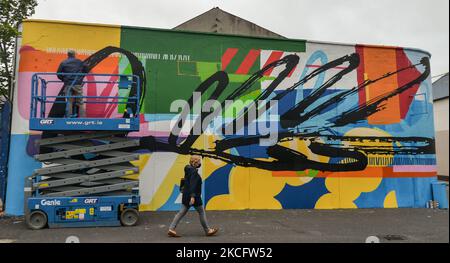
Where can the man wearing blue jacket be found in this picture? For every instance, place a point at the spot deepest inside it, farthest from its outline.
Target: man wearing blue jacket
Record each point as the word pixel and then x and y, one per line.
pixel 73 84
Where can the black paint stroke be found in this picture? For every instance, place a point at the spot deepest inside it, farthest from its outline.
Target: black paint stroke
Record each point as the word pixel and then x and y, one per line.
pixel 285 159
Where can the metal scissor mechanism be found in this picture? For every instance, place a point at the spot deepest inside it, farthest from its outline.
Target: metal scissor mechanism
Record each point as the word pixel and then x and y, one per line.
pixel 85 164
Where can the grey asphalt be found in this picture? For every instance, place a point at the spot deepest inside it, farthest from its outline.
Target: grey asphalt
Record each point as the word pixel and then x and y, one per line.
pixel 256 226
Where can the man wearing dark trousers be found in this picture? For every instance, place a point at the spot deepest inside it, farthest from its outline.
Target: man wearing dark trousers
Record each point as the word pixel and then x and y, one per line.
pixel 73 85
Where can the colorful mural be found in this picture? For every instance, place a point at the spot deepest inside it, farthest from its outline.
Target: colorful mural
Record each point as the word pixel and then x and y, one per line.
pixel 354 122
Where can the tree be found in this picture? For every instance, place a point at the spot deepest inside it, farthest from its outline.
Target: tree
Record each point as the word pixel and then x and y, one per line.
pixel 12 12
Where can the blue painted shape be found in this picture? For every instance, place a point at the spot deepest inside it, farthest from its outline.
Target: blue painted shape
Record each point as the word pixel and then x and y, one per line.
pixel 317 55
pixel 170 204
pixel 410 193
pixel 423 191
pixel 20 165
pixel 217 183
pixel 440 194
pixel 304 196
pixel 286 103
pixel 252 151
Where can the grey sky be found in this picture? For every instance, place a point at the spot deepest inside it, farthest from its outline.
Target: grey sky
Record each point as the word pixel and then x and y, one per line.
pixel 420 24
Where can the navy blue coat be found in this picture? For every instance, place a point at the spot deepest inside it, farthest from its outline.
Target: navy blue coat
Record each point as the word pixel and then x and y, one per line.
pixel 192 186
pixel 72 65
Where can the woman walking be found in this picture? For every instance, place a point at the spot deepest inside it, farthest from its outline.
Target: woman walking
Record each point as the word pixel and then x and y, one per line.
pixel 192 197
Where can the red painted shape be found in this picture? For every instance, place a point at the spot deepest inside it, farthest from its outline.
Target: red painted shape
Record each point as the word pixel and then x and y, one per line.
pixel 99 109
pixel 248 62
pixel 274 56
pixel 27 48
pixel 110 109
pixel 403 78
pixel 292 71
pixel 228 56
pixel 360 75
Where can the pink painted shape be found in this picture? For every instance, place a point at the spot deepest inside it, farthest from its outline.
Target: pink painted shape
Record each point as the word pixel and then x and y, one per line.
pixel 24 93
pixel 414 168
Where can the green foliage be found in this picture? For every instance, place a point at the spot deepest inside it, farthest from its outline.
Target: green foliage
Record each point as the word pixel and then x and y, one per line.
pixel 12 12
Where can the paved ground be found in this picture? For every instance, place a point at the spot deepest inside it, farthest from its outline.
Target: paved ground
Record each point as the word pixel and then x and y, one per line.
pixel 413 225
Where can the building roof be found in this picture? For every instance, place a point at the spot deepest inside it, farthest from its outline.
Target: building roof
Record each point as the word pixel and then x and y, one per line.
pixel 440 88
pixel 218 21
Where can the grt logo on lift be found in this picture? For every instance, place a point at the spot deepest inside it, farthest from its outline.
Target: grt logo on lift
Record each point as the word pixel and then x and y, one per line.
pixel 46 122
pixel 90 201
pixel 45 202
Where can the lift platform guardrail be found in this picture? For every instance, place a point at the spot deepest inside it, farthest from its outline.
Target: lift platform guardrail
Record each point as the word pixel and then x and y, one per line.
pixel 42 83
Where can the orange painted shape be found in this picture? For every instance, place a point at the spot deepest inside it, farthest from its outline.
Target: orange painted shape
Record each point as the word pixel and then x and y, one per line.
pixel 32 60
pixel 369 172
pixel 378 62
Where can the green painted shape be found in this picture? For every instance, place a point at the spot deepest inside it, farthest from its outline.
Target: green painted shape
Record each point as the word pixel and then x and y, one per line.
pixel 309 173
pixel 167 56
pixel 245 99
pixel 188 68
pixel 206 69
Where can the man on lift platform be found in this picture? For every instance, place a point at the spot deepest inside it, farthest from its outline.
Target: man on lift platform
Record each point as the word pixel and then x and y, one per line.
pixel 73 85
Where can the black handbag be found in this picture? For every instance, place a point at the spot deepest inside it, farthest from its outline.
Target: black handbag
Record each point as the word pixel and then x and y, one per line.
pixel 182 184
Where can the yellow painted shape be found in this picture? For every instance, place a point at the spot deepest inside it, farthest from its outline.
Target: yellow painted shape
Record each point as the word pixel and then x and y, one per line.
pixel 351 189
pixel 249 187
pixel 330 200
pixel 42 35
pixel 252 188
pixel 263 188
pixel 390 201
pixel 238 198
pixel 173 177
pixel 145 207
pixel 372 132
pixel 209 165
pixel 143 160
pixel 345 190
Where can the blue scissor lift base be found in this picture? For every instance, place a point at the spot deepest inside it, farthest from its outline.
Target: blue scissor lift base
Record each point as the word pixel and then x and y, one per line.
pixel 87 211
pixel 67 194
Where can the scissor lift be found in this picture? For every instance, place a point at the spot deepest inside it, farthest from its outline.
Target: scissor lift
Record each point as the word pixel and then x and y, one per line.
pixel 87 177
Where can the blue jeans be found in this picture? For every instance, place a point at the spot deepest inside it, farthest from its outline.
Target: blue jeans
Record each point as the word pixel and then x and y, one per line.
pixel 183 211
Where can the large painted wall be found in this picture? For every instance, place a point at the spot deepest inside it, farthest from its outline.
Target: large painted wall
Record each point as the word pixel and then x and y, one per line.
pixel 355 122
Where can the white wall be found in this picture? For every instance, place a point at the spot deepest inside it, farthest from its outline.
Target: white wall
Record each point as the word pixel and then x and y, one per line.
pixel 441 127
